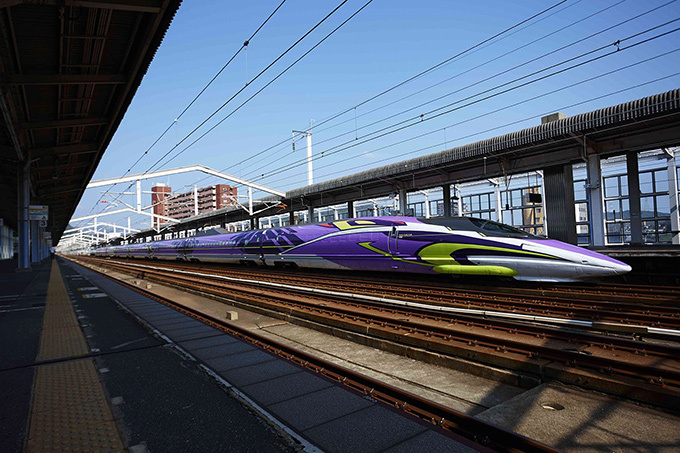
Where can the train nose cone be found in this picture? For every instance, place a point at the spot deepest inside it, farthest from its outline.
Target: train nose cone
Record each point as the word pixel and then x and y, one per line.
pixel 621 268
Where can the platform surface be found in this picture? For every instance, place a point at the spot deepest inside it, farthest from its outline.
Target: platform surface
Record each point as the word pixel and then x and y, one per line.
pixel 93 366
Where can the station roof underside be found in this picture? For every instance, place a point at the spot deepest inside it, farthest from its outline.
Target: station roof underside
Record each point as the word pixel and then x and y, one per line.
pixel 648 123
pixel 69 70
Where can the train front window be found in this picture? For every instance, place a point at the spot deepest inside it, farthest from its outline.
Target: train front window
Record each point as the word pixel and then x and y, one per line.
pixel 499 229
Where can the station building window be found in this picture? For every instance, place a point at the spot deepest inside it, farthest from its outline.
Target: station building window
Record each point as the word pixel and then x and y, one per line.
pixel 423 202
pixel 617 209
pixel 436 208
pixel 655 207
pixel 581 210
pixel 384 206
pixel 481 205
pixel 520 212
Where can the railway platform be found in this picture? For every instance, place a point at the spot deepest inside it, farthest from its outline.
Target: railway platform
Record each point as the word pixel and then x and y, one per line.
pixel 90 365
pixel 652 264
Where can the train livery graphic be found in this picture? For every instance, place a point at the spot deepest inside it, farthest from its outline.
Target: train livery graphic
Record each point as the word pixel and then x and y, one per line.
pixel 442 245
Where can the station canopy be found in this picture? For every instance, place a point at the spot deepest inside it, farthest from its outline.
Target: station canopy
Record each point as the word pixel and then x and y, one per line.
pixel 68 72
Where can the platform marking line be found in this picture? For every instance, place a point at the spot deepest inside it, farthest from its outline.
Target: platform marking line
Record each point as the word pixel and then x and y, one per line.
pixel 69 410
pixel 20 309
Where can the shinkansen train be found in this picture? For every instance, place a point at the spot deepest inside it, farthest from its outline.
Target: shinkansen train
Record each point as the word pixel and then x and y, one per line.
pixel 452 245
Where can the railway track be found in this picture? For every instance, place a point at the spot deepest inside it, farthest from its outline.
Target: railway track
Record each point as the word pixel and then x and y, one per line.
pixel 613 303
pixel 625 366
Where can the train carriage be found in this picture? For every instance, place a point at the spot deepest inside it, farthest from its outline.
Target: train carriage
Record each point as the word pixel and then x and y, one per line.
pixel 453 245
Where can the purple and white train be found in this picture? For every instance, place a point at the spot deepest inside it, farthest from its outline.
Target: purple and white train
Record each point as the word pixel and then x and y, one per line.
pixel 454 245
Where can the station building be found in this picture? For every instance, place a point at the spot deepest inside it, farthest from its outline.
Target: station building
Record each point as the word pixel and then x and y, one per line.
pixel 518 200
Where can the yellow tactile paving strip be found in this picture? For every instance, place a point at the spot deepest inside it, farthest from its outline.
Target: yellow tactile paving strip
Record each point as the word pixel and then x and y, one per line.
pixel 70 411
pixel 61 336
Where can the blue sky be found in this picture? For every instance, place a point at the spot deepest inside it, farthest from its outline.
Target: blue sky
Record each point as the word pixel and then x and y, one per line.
pixel 385 44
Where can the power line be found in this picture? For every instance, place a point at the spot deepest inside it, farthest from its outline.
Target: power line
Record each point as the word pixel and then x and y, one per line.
pixel 468 51
pixel 509 53
pixel 478 82
pixel 244 87
pixel 432 68
pixel 269 83
pixel 251 81
pixel 244 45
pixel 343 146
pixel 412 78
pixel 435 113
pixel 482 80
pixel 486 131
pixel 420 118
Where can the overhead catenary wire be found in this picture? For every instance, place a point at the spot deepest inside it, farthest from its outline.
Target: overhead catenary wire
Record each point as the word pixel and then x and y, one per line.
pixel 647 60
pixel 511 52
pixel 270 82
pixel 435 113
pixel 442 63
pixel 503 126
pixel 263 71
pixel 432 68
pixel 248 83
pixel 412 78
pixel 287 145
pixel 243 46
pixel 354 130
pixel 200 93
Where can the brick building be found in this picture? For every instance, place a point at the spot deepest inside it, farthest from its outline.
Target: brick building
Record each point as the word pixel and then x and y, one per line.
pixel 184 205
pixel 159 193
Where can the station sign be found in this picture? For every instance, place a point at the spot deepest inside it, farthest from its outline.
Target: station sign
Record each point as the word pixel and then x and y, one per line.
pixel 47 235
pixel 43 223
pixel 37 212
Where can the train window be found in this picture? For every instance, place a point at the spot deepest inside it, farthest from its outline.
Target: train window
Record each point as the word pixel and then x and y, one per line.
pixel 490 227
pixel 452 223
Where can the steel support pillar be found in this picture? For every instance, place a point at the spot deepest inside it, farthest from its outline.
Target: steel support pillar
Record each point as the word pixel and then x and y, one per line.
pixel 310 214
pixel 23 198
pixel 446 190
pixel 291 216
pixel 139 195
pixel 595 200
pixel 673 198
pixel 350 210
pixel 558 203
pixel 35 242
pixel 403 201
pixel 634 198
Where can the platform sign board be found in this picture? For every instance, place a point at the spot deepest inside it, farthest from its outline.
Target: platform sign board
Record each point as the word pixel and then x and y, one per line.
pixel 47 235
pixel 43 223
pixel 37 212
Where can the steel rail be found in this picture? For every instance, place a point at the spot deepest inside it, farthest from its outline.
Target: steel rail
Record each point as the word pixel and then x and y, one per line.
pixel 653 317
pixel 444 310
pixel 445 334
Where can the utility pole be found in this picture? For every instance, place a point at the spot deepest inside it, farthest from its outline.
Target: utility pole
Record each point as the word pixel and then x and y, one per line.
pixel 310 172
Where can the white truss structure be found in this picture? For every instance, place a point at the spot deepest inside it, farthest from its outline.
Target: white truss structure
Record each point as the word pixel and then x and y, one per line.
pixel 139 209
